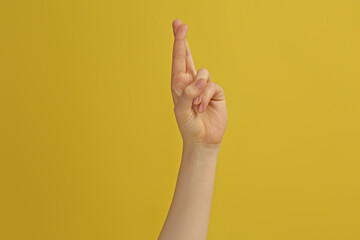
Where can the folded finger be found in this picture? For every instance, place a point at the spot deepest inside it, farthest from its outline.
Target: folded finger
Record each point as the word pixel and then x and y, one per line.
pixel 213 92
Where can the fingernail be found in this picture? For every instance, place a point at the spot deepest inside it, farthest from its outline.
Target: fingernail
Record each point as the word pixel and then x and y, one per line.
pixel 200 84
pixel 196 99
pixel 201 107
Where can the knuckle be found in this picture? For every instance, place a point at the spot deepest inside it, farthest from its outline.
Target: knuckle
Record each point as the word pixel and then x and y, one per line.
pixel 212 84
pixel 204 73
pixel 211 87
pixel 221 89
pixel 218 87
pixel 204 70
pixel 201 78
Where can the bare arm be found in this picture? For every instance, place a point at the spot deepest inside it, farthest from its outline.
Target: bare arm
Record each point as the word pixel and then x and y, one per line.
pixel 189 213
pixel 201 115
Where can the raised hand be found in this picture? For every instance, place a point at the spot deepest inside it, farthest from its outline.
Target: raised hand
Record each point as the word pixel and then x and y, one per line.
pixel 199 103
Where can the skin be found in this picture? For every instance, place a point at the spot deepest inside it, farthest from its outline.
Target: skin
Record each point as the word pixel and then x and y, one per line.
pixel 201 115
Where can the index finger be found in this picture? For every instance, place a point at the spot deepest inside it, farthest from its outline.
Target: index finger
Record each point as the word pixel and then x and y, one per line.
pixel 179 50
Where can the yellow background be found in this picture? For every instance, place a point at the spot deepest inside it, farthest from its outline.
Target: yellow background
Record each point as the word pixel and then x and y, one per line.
pixel 90 147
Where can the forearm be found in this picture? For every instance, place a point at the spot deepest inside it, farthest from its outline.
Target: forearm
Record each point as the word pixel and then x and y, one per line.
pixel 189 214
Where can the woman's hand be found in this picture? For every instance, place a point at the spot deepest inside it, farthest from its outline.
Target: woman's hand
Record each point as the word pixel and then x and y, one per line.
pixel 199 103
pixel 200 111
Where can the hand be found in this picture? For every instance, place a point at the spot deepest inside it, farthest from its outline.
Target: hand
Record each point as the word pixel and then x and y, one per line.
pixel 199 103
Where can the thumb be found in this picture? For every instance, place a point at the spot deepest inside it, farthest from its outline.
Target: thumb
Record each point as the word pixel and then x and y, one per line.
pixel 193 90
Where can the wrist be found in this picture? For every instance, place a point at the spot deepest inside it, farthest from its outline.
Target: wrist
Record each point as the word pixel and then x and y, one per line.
pixel 202 145
pixel 201 151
